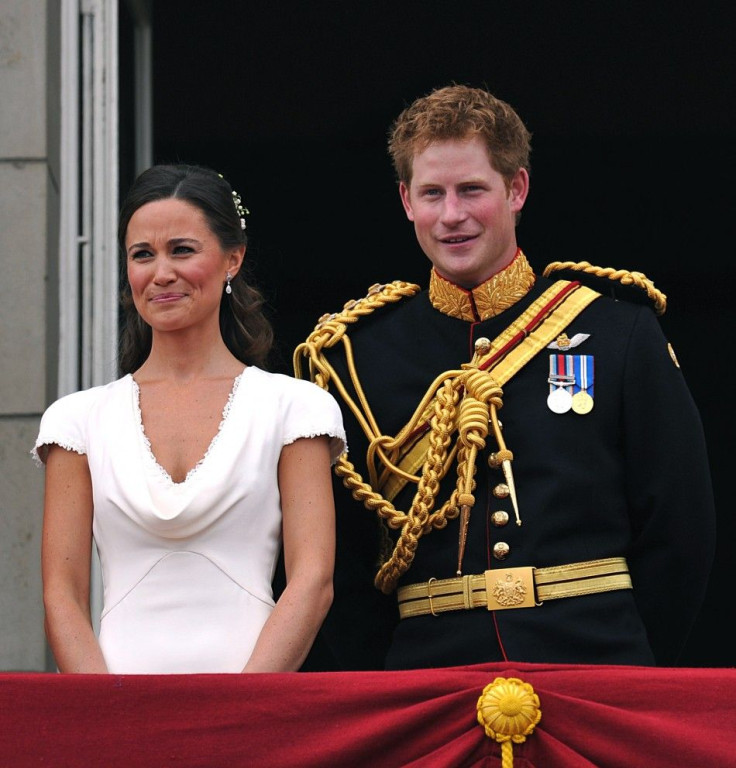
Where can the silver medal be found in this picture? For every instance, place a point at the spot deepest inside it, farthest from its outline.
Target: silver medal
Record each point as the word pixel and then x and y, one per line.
pixel 559 400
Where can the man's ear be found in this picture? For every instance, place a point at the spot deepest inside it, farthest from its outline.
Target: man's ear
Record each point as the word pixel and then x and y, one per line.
pixel 405 201
pixel 518 190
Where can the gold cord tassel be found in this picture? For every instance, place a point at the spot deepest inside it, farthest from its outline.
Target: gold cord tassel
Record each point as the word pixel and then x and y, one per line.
pixel 508 711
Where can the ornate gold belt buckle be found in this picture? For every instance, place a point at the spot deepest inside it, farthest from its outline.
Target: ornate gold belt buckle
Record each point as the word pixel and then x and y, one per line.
pixel 510 588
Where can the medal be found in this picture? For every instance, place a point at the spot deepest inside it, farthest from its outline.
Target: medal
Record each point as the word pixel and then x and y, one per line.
pixel 559 400
pixel 582 400
pixel 561 380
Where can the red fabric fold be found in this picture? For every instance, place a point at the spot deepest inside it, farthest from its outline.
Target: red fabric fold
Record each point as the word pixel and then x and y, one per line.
pixel 591 716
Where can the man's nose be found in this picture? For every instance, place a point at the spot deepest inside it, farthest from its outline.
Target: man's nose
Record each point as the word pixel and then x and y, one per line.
pixel 453 209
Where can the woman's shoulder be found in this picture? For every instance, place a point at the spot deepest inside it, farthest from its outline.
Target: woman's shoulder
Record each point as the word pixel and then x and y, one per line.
pixel 282 384
pixel 84 399
pixel 305 409
pixel 66 421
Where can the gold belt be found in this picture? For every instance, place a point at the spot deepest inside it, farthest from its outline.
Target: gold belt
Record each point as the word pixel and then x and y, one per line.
pixel 502 588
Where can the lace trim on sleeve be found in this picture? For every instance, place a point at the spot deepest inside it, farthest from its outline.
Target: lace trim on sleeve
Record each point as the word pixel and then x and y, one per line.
pixel 338 442
pixel 40 451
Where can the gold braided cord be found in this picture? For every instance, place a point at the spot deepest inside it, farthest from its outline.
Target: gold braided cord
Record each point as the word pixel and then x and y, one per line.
pixel 457 401
pixel 330 331
pixel 623 276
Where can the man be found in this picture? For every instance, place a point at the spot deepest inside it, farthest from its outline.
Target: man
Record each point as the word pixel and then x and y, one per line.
pixel 527 476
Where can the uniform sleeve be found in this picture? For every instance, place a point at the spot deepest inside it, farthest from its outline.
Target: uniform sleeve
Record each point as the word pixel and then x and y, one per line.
pixel 63 424
pixel 313 411
pixel 668 484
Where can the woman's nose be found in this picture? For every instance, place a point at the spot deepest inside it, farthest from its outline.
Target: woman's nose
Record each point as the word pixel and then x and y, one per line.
pixel 164 272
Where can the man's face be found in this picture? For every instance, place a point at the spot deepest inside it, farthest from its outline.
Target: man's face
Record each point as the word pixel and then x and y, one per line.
pixel 464 216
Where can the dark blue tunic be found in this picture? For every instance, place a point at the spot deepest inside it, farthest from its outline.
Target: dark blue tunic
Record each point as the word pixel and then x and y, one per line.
pixel 629 479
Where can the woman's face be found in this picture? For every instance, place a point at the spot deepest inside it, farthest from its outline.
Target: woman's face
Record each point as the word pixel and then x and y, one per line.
pixel 176 265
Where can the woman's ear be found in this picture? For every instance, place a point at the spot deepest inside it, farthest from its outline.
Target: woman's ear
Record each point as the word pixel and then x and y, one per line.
pixel 235 260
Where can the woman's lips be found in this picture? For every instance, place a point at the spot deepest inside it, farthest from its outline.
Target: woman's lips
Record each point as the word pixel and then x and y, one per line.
pixel 163 298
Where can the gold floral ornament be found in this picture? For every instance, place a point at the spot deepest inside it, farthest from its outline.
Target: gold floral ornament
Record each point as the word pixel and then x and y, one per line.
pixel 508 710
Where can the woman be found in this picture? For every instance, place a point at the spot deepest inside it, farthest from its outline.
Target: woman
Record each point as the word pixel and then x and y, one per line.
pixel 192 469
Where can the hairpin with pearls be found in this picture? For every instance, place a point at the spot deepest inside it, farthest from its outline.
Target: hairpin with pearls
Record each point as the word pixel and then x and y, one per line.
pixel 240 208
pixel 242 211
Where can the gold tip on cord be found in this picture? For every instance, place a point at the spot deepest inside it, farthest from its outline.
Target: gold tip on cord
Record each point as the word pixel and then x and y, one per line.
pixel 464 520
pixel 508 474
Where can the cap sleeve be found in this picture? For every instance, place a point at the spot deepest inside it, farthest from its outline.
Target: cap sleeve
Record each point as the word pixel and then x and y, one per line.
pixel 63 423
pixel 313 412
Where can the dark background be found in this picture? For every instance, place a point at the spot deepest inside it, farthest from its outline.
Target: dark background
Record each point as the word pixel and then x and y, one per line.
pixel 632 162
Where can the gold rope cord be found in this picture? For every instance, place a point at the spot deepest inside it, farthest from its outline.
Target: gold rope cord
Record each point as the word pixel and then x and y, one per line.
pixel 466 400
pixel 481 395
pixel 623 276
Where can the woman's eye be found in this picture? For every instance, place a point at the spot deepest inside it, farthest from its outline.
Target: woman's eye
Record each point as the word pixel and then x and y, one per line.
pixel 140 255
pixel 182 250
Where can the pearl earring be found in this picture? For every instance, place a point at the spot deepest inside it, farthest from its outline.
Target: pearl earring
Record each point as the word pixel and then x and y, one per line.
pixel 228 287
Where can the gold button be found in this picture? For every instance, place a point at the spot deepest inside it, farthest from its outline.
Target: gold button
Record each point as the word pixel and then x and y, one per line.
pixel 493 461
pixel 499 518
pixel 501 491
pixel 501 550
pixel 482 345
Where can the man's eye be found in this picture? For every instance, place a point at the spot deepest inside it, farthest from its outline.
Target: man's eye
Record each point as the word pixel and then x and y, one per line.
pixel 432 192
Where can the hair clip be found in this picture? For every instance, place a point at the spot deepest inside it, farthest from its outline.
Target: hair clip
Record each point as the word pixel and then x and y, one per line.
pixel 240 208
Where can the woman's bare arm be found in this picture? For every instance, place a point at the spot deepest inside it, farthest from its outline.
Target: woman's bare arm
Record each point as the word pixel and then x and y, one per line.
pixel 66 551
pixel 305 483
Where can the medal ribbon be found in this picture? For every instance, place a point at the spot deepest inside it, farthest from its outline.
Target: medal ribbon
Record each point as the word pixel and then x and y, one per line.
pixel 584 374
pixel 561 372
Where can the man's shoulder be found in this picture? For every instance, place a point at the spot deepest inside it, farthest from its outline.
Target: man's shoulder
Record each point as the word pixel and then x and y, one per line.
pixel 380 301
pixel 622 285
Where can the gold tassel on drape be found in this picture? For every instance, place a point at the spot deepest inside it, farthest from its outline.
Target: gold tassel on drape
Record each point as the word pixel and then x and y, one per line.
pixel 508 711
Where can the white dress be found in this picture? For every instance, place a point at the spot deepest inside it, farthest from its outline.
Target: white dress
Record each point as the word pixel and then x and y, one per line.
pixel 187 567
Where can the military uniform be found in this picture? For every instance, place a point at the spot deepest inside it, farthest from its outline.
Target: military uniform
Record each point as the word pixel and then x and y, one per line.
pixel 627 478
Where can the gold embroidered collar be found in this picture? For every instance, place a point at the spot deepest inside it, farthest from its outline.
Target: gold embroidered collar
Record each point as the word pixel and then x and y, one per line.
pixel 486 300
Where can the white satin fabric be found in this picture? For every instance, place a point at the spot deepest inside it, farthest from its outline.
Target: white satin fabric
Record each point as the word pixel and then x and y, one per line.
pixel 187 567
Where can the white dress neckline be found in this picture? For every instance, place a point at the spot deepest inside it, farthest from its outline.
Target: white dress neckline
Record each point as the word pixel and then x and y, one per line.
pixel 142 431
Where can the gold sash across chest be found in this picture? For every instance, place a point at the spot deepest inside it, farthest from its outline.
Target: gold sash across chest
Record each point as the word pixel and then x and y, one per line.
pixel 449 426
pixel 509 352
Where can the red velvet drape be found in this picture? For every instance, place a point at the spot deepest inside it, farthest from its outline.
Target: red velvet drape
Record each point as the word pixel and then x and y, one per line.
pixel 605 716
